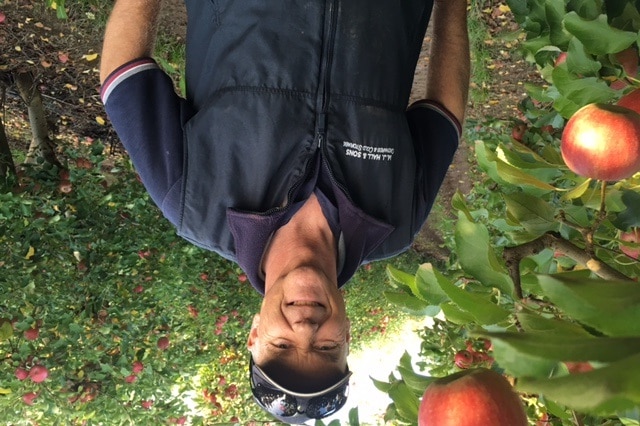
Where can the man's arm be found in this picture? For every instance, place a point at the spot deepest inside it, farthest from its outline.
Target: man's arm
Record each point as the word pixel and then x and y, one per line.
pixel 130 34
pixel 449 64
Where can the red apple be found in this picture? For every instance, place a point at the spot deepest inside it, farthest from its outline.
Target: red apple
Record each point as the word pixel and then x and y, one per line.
pixel 29 397
pixel 562 58
pixel 628 59
pixel 477 397
pixel 137 367
pixel 65 186
pixel 32 333
pixel 631 237
pixel 518 131
pixel 631 100
pixel 163 343
pixel 21 373
pixel 146 404
pixel 38 373
pixel 463 359
pixel 602 142
pixel 131 378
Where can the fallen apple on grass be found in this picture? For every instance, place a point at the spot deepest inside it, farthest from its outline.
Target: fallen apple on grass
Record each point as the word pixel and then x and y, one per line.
pixel 38 373
pixel 602 141
pixel 28 397
pixel 32 333
pixel 476 397
pixel 21 373
pixel 163 343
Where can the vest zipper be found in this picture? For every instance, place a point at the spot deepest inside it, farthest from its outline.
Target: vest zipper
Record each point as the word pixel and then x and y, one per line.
pixel 325 71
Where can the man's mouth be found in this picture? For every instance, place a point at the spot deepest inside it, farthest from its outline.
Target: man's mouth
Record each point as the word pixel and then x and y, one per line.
pixel 305 303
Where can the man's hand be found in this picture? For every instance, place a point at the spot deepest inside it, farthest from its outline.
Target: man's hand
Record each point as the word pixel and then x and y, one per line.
pixel 130 33
pixel 449 64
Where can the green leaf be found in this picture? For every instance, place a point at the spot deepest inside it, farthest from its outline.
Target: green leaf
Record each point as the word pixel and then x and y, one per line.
pixel 428 284
pixel 578 191
pixel 477 256
pixel 402 279
pixel 6 330
pixel 578 91
pixel 405 401
pixel 521 364
pixel 516 176
pixel 538 324
pixel 579 62
pixel 484 311
pixel 597 35
pixel 533 213
pixel 458 203
pixel 456 315
pixel 606 390
pixel 380 385
pixel 612 307
pixel 410 303
pixel 630 216
pixel 354 418
pixel 555 12
pixel 587 9
pixel 560 347
pixel 416 382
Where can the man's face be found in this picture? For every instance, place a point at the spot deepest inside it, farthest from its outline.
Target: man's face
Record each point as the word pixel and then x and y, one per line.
pixel 301 335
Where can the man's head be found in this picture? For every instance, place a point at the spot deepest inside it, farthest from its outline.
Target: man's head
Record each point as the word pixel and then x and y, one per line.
pixel 300 338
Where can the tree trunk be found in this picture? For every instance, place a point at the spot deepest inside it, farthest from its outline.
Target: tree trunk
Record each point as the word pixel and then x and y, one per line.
pixel 41 147
pixel 7 166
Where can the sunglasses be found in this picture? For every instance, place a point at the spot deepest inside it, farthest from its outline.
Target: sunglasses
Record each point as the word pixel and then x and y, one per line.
pixel 292 406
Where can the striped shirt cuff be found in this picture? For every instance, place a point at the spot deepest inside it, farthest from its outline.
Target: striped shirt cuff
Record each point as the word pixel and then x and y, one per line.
pixel 122 73
pixel 427 103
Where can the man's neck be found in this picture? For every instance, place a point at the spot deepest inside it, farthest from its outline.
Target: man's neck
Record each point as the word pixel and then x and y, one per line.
pixel 306 240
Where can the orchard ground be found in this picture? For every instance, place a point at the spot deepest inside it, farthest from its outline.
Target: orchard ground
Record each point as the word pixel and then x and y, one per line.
pixel 65 55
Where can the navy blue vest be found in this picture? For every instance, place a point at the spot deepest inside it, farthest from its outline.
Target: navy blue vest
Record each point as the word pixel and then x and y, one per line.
pixel 272 83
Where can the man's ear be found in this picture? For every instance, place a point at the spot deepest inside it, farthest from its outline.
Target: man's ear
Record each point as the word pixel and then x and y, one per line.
pixel 253 333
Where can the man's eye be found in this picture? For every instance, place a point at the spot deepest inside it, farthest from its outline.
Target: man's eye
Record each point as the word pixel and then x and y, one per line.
pixel 327 347
pixel 282 346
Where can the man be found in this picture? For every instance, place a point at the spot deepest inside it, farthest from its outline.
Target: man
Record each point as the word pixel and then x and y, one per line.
pixel 293 154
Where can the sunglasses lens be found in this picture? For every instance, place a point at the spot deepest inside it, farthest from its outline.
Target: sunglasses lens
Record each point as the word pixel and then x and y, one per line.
pixel 326 405
pixel 275 402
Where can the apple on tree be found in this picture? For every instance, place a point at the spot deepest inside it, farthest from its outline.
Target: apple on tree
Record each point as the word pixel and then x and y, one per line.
pixel 633 236
pixel 631 100
pixel 476 397
pixel 602 141
pixel 628 60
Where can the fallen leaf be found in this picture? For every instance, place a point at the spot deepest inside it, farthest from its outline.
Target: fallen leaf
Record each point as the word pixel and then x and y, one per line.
pixel 45 64
pixel 18 49
pixel 30 253
pixel 100 120
pixel 90 57
pixel 63 57
pixel 504 8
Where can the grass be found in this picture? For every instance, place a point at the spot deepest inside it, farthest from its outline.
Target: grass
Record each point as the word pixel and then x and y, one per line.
pixel 480 55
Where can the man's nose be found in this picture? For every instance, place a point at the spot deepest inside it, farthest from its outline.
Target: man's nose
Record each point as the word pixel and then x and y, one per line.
pixel 306 316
